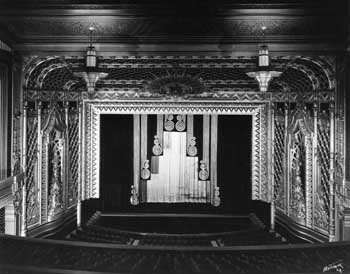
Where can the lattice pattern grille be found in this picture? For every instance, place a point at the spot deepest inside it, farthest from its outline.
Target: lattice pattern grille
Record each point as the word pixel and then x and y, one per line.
pixel 321 218
pixel 296 80
pixel 279 154
pixel 318 71
pixel 35 74
pixel 31 176
pixel 57 78
pixel 73 132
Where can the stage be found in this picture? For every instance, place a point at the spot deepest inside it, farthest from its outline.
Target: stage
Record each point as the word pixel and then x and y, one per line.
pixel 141 172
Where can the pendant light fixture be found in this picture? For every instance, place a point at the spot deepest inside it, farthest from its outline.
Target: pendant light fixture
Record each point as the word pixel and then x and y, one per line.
pixel 264 74
pixel 91 74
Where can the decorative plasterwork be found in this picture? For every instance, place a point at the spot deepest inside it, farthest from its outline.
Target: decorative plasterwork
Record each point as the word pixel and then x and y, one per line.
pixel 301 124
pixel 205 74
pixel 91 140
pixel 176 85
pixel 136 94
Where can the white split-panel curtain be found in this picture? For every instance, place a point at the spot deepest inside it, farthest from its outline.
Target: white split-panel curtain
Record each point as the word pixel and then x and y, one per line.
pixel 177 179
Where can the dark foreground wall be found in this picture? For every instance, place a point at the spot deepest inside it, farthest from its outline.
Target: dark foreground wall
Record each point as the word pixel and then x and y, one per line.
pixel 20 255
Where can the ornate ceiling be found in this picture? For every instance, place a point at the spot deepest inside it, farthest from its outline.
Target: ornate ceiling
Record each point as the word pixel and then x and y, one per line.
pixel 59 22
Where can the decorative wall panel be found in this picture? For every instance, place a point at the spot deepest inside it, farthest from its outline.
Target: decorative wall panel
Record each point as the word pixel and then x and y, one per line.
pixel 322 194
pixel 73 137
pixel 279 159
pixel 54 160
pixel 32 199
pixel 303 156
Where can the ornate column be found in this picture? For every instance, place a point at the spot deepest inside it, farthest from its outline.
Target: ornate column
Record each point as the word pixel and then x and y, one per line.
pixel 331 177
pixel 270 159
pixel 286 160
pixel 204 173
pixel 67 162
pixel 315 159
pixel 24 165
pixel 80 165
pixel 215 191
pixel 83 152
pixel 39 183
pixel 135 187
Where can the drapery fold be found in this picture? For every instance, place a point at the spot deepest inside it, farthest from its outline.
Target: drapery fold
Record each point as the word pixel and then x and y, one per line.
pixel 177 177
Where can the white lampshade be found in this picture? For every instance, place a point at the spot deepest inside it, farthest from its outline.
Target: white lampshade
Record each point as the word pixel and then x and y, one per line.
pixel 91 58
pixel 263 56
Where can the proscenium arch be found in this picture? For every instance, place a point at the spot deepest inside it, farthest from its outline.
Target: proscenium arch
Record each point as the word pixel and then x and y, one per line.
pixel 319 72
pixel 92 111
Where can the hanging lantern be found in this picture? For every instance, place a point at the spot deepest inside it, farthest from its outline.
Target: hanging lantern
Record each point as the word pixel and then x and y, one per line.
pixel 263 56
pixel 92 74
pixel 263 75
pixel 91 57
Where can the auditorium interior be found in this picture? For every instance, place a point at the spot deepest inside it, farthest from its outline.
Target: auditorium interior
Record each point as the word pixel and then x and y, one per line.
pixel 174 136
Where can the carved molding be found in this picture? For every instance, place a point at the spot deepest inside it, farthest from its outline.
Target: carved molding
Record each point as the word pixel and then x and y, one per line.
pixel 176 85
pixel 213 94
pixel 93 110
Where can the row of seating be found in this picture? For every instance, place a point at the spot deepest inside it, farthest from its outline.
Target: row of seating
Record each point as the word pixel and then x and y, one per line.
pixel 97 257
pixel 94 233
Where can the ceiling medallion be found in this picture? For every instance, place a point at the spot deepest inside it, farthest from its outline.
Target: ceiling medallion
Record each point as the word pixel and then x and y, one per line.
pixel 176 84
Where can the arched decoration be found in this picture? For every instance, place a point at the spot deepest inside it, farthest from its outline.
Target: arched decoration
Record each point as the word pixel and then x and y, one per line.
pixel 302 74
pixel 52 73
pixel 53 163
pixel 297 81
pixel 281 85
pixel 218 77
pixel 41 78
pixel 70 84
pixel 310 74
pixel 324 71
pixel 35 68
pixel 176 85
pixel 300 167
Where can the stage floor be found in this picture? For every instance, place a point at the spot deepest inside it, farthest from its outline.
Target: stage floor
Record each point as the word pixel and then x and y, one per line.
pixel 176 223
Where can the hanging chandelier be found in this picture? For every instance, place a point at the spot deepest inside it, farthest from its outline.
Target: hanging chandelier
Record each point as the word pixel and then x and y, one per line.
pixel 264 74
pixel 91 74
